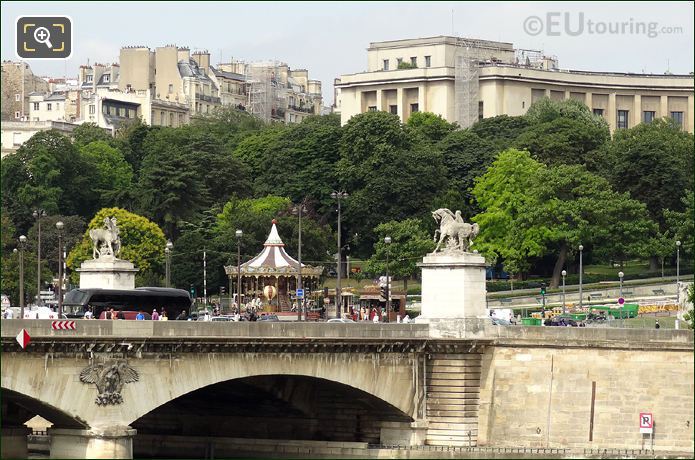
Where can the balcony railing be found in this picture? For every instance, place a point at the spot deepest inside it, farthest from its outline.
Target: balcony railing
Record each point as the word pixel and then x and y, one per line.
pixel 297 108
pixel 213 99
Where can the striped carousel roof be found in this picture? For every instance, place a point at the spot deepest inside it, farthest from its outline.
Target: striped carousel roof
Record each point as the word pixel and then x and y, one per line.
pixel 274 259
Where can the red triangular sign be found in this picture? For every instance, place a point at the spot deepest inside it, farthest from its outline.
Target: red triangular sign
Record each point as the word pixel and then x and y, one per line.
pixel 23 338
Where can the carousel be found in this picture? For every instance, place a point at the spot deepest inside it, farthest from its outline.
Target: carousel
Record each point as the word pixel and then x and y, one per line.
pixel 269 281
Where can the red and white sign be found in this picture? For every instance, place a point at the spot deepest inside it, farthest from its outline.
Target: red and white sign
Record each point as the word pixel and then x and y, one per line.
pixel 646 422
pixel 63 325
pixel 23 338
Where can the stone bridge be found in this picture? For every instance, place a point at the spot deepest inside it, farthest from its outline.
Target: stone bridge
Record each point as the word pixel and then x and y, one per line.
pixel 318 389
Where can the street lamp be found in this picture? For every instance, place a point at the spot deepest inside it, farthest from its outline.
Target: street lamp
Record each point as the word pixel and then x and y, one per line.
pixel 338 292
pixel 581 272
pixel 387 240
pixel 38 214
pixel 22 245
pixel 167 251
pixel 239 234
pixel 59 227
pixel 564 308
pixel 678 272
pixel 621 275
pixel 299 209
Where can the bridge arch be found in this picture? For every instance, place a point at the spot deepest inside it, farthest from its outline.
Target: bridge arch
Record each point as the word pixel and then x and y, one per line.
pixel 18 408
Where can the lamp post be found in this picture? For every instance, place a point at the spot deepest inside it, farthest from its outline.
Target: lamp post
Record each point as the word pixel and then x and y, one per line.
pixel 581 271
pixel 338 293
pixel 387 240
pixel 22 245
pixel 38 214
pixel 564 307
pixel 299 209
pixel 239 234
pixel 167 252
pixel 678 272
pixel 621 275
pixel 59 227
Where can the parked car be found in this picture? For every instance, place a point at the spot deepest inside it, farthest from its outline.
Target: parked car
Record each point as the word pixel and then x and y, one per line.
pixel 269 317
pixel 340 320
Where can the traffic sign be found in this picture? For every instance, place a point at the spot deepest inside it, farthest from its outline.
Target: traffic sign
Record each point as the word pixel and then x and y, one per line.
pixel 621 301
pixel 63 325
pixel 300 293
pixel 23 338
pixel 646 422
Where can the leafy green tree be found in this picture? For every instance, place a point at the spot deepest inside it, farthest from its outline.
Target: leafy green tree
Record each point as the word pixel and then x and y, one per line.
pixel 390 175
pixel 501 130
pixel 73 229
pixel 409 243
pixel 130 139
pixel 502 193
pixel 229 125
pixel 46 172
pixel 86 133
pixel 546 110
pixel 680 225
pixel 431 126
pixel 114 175
pixel 142 243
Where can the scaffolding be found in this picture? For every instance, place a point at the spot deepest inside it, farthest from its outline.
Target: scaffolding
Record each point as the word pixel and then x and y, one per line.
pixel 466 85
pixel 266 93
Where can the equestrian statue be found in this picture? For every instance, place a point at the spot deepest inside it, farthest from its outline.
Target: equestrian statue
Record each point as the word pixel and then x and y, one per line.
pixel 459 235
pixel 105 241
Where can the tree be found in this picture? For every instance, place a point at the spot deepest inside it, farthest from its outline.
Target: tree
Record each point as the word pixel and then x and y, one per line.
pixel 129 140
pixel 501 194
pixel 390 175
pixel 409 243
pixel 501 130
pixel 142 243
pixel 114 175
pixel 229 125
pixel 546 110
pixel 681 225
pixel 46 172
pixel 431 126
pixel 87 133
pixel 73 229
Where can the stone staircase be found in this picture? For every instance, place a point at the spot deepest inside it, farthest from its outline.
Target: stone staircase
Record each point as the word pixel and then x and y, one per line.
pixel 453 399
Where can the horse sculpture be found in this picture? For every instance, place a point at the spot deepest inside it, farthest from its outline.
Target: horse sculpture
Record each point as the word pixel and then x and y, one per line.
pixel 452 226
pixel 106 241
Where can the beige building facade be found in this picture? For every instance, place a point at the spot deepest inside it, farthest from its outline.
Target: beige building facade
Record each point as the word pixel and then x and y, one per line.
pixel 18 82
pixel 494 79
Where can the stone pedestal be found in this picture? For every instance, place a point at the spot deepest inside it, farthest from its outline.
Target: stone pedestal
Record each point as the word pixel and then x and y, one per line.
pixel 108 443
pixel 453 285
pixel 13 442
pixel 107 272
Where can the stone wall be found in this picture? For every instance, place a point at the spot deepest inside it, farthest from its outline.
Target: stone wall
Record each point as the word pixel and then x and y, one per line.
pixel 17 78
pixel 542 397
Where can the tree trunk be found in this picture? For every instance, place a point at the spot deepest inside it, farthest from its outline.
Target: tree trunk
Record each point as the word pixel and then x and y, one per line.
pixel 559 265
pixel 654 263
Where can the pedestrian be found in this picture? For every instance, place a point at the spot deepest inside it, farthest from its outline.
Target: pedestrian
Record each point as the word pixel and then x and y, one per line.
pixel 155 315
pixel 406 320
pixel 9 314
pixel 182 316
pixel 121 315
pixel 375 319
pixel 164 316
pixel 657 325
pixel 140 316
pixel 89 314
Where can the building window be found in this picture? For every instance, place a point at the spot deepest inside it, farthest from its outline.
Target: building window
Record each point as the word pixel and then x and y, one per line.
pixel 36 106
pixel 413 61
pixel 49 106
pixel 386 64
pixel 372 108
pixel 622 119
pixel 428 61
pixel 92 109
pixel 17 139
pixel 106 78
pixel 393 109
pixel 598 112
pixel 17 114
pixel 414 108
pixel 648 116
pixel 17 97
pixel 121 111
pixel 678 118
pixel 57 105
pixel 171 88
pixel 90 78
pixel 161 118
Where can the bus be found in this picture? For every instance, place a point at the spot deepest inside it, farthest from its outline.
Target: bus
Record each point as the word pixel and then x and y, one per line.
pixel 146 299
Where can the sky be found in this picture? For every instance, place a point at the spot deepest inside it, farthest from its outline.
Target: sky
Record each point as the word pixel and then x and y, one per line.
pixel 331 38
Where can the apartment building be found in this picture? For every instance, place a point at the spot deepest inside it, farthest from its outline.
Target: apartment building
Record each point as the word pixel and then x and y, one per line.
pixel 18 81
pixel 464 80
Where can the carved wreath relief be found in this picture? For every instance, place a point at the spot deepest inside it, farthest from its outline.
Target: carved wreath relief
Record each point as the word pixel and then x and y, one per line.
pixel 109 379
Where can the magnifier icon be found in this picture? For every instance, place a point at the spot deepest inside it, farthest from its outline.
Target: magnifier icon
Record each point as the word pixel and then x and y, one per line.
pixel 42 35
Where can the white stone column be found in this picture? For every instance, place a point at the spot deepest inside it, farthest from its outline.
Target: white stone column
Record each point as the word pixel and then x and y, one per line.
pixel 116 442
pixel 13 442
pixel 379 100
pixel 612 112
pixel 638 110
pixel 663 106
pixel 422 98
pixel 589 101
pixel 399 102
